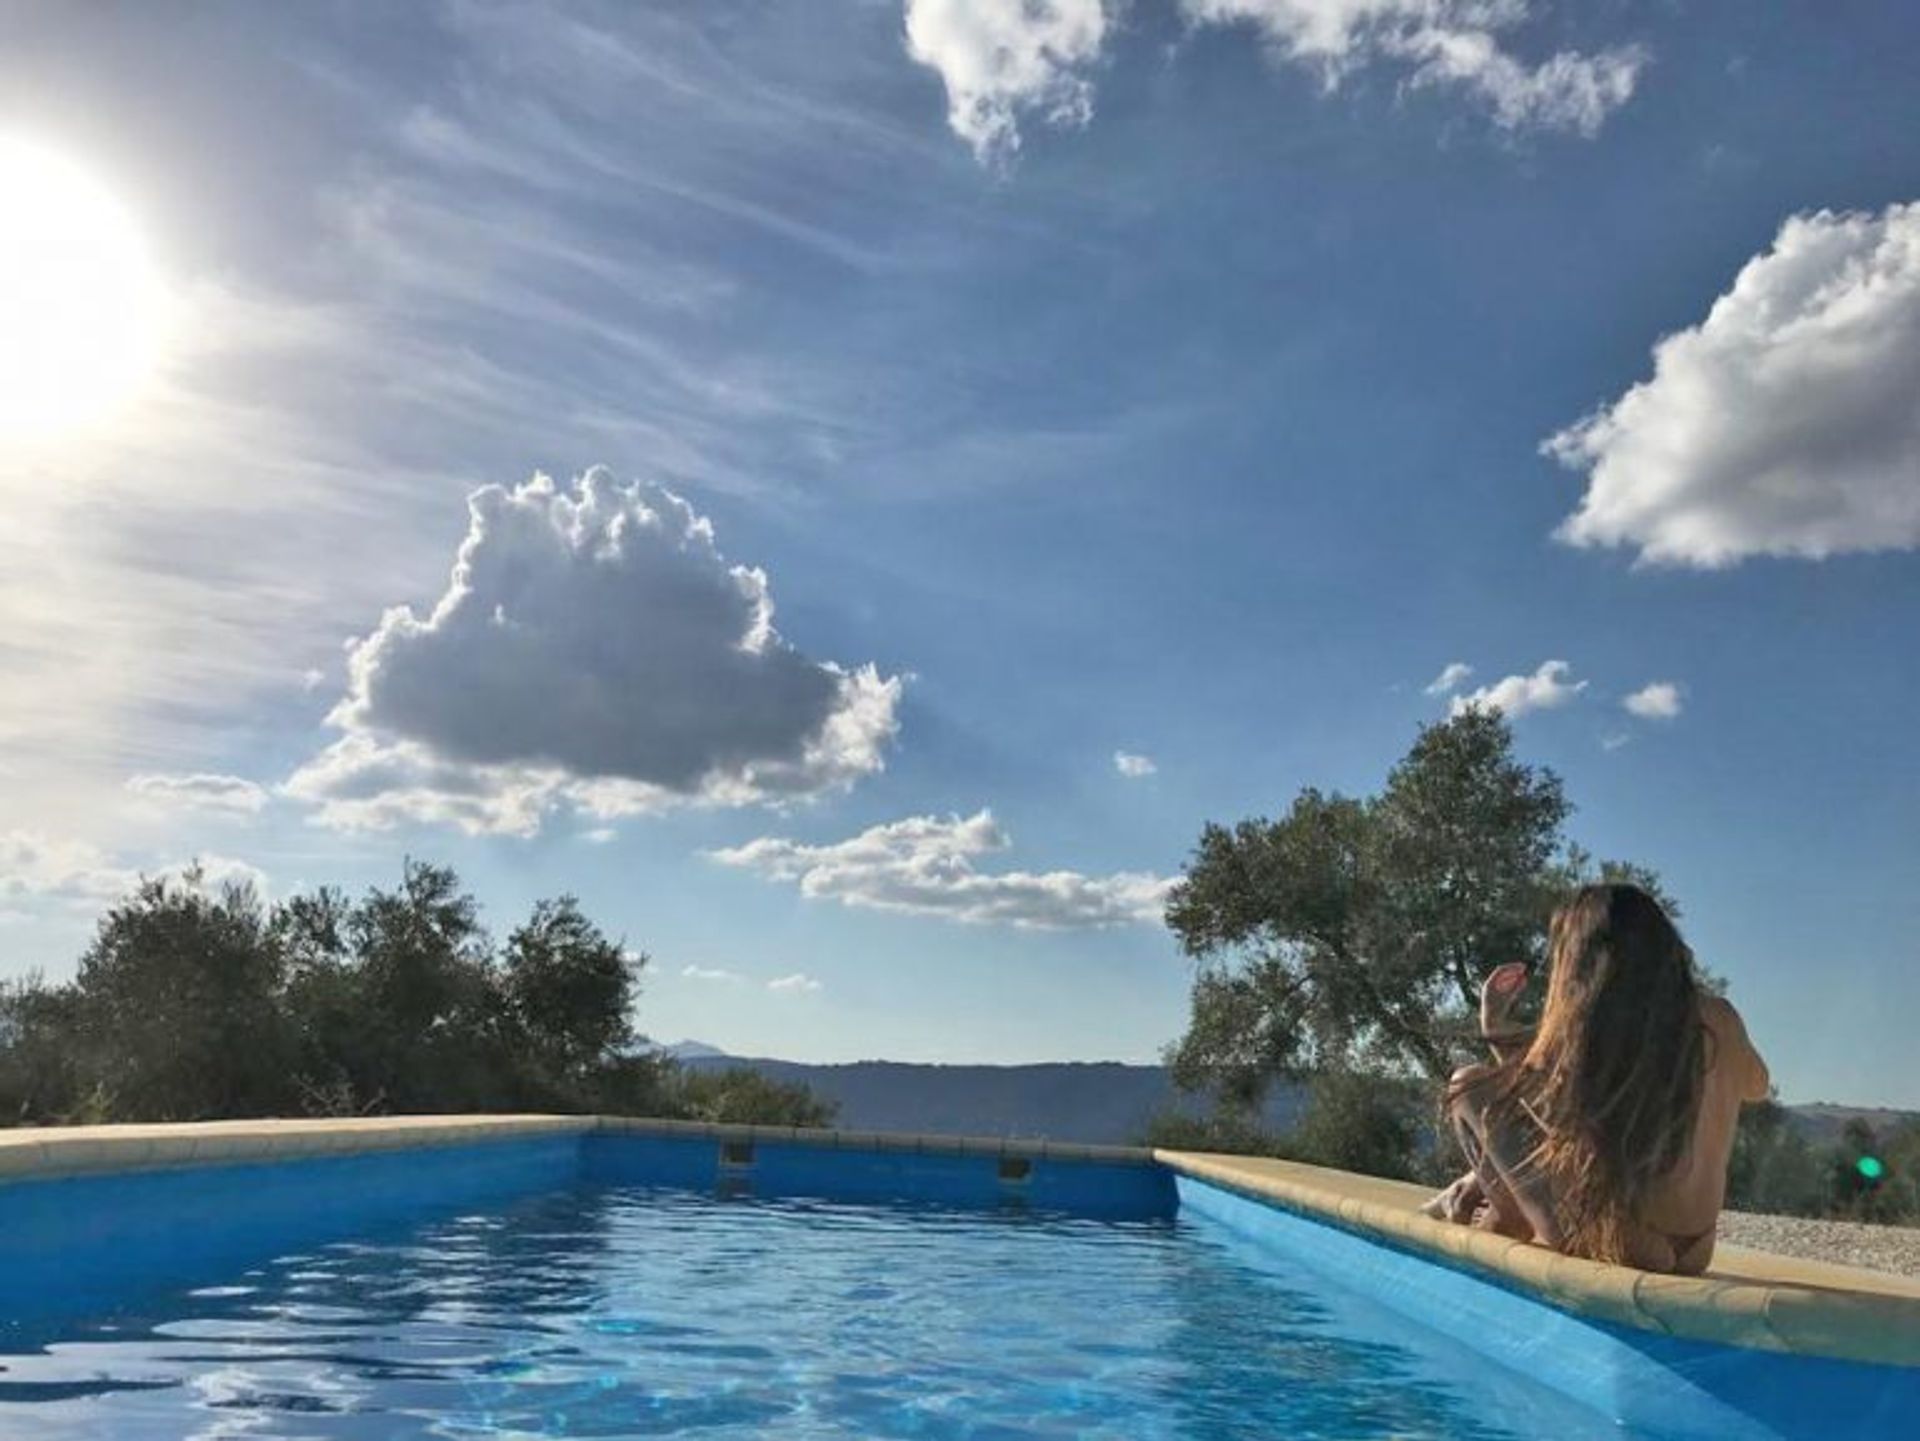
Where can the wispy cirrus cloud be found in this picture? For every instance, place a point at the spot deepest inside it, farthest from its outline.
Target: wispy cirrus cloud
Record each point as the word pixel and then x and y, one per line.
pixel 927 865
pixel 229 795
pixel 797 984
pixel 718 975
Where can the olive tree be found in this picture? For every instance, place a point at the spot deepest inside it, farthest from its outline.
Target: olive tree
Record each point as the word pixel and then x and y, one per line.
pixel 1351 934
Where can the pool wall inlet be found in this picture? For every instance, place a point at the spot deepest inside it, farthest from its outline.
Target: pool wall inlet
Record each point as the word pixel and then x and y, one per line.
pixel 1762 1346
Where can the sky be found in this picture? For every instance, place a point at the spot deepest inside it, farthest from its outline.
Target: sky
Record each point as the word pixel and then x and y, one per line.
pixel 849 490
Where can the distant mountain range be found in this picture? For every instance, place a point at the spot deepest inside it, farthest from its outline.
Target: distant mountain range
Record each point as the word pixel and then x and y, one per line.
pixel 1099 1102
pixel 691 1051
pixel 1821 1122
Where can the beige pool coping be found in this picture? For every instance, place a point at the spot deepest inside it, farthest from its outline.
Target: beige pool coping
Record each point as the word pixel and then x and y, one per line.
pixel 1748 1298
pixel 39 1153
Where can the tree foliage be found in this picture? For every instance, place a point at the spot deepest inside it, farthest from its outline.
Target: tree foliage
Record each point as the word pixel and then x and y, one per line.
pixel 1776 1169
pixel 1229 1132
pixel 1343 945
pixel 1352 933
pixel 1773 1168
pixel 176 1005
pixel 196 1003
pixel 740 1093
pixel 1350 1120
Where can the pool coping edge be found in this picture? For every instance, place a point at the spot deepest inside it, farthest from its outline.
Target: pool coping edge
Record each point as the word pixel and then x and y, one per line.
pixel 43 1153
pixel 1830 1321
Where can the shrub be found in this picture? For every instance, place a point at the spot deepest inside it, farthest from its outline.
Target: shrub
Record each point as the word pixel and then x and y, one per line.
pixel 1352 1121
pixel 195 1002
pixel 741 1095
pixel 1356 1121
pixel 1226 1131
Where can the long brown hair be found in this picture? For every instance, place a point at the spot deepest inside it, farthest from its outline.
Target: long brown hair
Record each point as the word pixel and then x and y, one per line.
pixel 1613 1079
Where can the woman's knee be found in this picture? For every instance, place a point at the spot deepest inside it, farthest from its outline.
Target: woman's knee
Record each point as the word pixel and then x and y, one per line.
pixel 1466 1090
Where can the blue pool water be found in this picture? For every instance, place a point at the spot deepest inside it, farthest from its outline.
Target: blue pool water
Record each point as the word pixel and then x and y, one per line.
pixel 627 1310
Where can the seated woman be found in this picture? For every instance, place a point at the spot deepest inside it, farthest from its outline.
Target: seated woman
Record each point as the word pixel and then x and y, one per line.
pixel 1605 1132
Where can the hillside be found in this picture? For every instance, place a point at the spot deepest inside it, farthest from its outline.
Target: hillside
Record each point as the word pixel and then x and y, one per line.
pixel 1822 1122
pixel 1102 1102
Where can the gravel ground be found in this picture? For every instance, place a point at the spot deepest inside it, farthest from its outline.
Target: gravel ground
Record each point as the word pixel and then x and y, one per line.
pixel 1848 1243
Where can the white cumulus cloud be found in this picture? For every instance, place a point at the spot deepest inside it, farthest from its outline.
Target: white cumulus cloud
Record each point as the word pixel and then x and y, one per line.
pixel 1657 700
pixel 1002 59
pixel 32 864
pixel 1132 765
pixel 711 973
pixel 36 866
pixel 1451 675
pixel 594 651
pixel 799 983
pixel 926 865
pixel 215 873
pixel 1441 43
pixel 1515 695
pixel 1785 423
pixel 229 794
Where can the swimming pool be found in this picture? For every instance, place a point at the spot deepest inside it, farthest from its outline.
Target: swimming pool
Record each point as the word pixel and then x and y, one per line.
pixel 578 1281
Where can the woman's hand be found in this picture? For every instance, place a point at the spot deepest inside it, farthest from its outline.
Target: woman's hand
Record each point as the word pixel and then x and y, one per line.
pixel 1498 993
pixel 1458 1202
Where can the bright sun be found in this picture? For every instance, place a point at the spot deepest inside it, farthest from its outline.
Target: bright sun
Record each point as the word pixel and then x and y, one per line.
pixel 80 300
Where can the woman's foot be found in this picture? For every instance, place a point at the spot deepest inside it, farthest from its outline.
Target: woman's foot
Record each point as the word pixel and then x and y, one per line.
pixel 1458 1202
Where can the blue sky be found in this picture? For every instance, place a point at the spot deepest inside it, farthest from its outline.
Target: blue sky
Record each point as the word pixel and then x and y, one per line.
pixel 1175 379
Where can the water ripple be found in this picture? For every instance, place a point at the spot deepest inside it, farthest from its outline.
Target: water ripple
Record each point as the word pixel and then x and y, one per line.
pixel 627 1312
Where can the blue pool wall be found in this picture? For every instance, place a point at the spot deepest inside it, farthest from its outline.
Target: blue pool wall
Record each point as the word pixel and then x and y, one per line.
pixel 1667 1385
pixel 73 1244
pixel 96 1242
pixel 1121 1190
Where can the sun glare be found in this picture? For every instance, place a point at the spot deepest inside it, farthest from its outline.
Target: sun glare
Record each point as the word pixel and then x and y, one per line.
pixel 80 299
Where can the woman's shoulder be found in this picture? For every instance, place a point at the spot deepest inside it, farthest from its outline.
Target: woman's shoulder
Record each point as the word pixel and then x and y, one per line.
pixel 1717 1011
pixel 1721 1016
pixel 1733 1050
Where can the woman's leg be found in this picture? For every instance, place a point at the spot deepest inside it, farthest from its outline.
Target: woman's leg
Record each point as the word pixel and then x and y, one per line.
pixel 1510 1208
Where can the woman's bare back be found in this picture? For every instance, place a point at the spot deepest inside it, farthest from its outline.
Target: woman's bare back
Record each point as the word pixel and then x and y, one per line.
pixel 1677 1225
